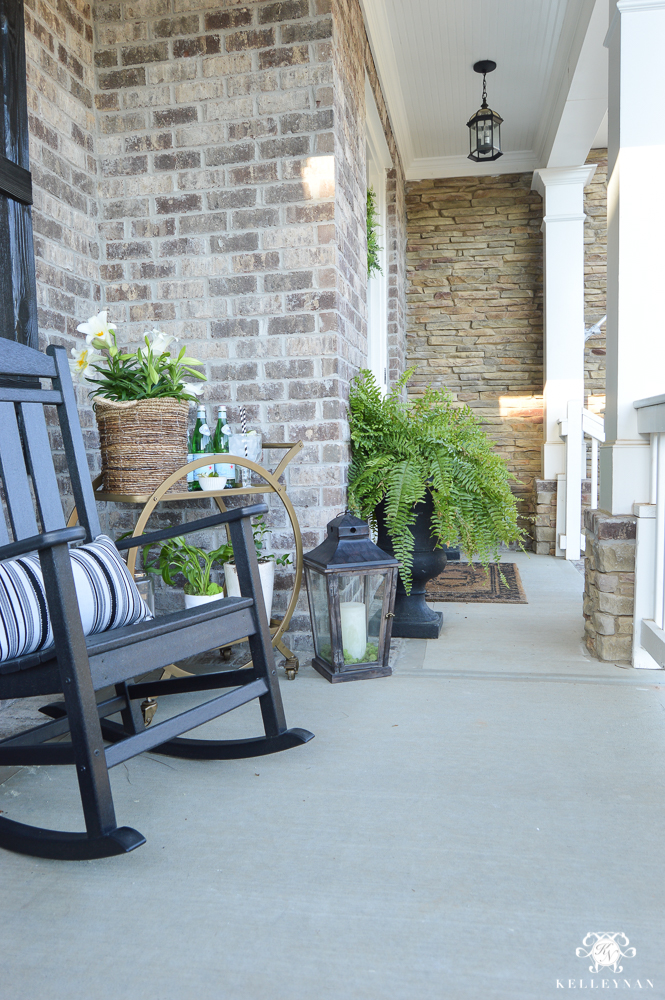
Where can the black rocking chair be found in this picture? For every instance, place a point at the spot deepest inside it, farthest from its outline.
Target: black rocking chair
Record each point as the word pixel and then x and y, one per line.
pixel 77 667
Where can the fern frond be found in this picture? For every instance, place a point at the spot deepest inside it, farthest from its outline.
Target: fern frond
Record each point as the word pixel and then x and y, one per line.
pixel 401 450
pixel 405 487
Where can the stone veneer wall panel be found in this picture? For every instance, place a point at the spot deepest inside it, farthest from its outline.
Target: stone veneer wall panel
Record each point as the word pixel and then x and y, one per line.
pixel 474 269
pixel 609 584
pixel 595 275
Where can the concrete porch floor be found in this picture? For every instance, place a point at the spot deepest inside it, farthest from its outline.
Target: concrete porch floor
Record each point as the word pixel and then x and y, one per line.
pixel 452 832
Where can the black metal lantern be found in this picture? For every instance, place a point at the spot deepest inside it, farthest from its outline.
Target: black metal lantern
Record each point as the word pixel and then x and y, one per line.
pixel 351 589
pixel 485 126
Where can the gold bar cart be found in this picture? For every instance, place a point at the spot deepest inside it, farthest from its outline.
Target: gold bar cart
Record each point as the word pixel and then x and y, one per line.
pixel 271 479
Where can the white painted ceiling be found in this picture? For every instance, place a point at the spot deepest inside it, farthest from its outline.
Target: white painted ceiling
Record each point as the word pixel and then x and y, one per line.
pixel 550 62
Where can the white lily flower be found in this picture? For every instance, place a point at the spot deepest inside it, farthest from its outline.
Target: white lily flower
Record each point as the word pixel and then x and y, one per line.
pixel 98 331
pixel 160 342
pixel 193 388
pixel 80 364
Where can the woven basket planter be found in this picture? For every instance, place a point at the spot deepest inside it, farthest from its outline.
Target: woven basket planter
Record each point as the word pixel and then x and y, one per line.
pixel 142 442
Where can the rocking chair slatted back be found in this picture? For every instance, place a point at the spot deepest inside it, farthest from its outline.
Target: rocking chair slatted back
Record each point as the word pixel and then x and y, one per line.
pixel 24 436
pixel 4 534
pixel 15 477
pixel 44 480
pixel 16 359
pixel 77 462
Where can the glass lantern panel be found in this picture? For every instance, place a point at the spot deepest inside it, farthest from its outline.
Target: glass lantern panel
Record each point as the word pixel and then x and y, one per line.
pixel 318 596
pixel 375 584
pixel 361 604
pixel 497 138
pixel 484 131
pixel 473 140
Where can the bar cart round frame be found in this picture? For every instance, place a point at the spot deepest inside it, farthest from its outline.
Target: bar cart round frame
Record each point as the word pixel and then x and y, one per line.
pixel 273 485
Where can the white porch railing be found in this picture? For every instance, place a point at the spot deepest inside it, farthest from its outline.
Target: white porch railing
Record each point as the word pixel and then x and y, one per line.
pixel 578 430
pixel 649 608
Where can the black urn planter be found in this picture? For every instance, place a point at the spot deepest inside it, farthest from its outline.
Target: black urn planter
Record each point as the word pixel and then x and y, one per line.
pixel 413 619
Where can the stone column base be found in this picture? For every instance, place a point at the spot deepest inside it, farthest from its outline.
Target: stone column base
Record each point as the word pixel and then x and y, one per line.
pixel 609 584
pixel 544 527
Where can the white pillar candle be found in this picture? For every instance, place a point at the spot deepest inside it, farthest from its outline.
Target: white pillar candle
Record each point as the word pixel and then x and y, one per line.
pixel 354 630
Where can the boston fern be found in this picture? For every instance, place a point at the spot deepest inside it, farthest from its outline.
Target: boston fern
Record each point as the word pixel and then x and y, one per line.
pixel 401 451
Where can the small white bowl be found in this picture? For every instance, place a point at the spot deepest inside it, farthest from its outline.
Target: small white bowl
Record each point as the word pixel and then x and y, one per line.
pixel 212 482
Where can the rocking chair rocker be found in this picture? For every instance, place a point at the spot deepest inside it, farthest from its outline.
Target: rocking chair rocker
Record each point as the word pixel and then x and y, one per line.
pixel 78 667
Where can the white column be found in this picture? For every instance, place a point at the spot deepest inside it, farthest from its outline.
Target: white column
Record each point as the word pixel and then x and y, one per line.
pixel 635 254
pixel 562 190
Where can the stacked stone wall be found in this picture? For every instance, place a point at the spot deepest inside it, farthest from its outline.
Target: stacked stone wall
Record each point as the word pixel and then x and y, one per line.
pixel 474 271
pixel 474 261
pixel 595 279
pixel 543 531
pixel 609 584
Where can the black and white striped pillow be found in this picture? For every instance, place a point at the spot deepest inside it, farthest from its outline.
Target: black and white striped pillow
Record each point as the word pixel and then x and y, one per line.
pixel 107 597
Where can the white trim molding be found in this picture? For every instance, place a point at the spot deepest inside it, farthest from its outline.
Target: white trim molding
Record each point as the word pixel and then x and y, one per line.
pixel 376 138
pixel 561 218
pixel 568 53
pixel 383 52
pixel 581 101
pixel 630 7
pixel 549 176
pixel 518 162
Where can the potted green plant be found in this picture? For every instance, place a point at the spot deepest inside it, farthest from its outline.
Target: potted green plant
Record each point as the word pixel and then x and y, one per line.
pixel 426 475
pixel 177 556
pixel 267 562
pixel 141 402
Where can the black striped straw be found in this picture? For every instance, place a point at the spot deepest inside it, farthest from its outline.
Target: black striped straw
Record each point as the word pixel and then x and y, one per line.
pixel 243 424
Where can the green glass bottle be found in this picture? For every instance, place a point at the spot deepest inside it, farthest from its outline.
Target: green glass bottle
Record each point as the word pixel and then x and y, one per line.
pixel 200 430
pixel 198 444
pixel 221 444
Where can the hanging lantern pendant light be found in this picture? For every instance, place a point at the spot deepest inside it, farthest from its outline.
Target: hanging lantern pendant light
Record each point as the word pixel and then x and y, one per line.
pixel 485 126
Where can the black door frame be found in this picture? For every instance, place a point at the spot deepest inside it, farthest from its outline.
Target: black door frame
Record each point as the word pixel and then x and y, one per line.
pixel 18 290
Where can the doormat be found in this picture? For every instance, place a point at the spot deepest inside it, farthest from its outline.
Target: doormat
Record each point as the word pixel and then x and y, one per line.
pixel 468 583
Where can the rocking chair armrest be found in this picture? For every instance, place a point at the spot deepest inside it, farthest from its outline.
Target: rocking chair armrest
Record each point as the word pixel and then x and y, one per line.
pixel 37 543
pixel 223 517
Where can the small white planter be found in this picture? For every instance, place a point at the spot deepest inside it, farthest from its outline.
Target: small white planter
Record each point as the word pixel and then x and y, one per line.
pixel 212 483
pixel 267 574
pixel 193 600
